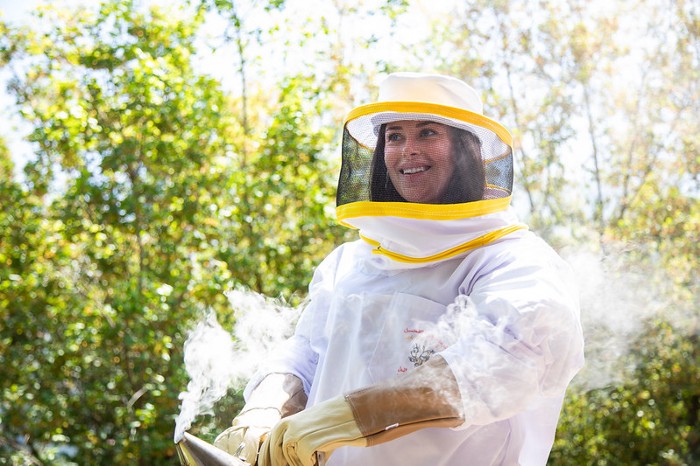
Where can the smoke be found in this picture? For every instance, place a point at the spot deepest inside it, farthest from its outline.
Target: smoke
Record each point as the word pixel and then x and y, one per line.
pixel 209 351
pixel 619 296
pixel 262 323
pixel 216 360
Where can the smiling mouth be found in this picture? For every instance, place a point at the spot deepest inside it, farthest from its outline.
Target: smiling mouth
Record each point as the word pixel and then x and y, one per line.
pixel 412 170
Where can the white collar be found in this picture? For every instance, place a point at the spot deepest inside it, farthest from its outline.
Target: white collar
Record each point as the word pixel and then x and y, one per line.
pixel 408 239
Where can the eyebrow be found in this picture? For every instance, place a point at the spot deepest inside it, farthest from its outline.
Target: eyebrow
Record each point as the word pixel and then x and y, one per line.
pixel 419 125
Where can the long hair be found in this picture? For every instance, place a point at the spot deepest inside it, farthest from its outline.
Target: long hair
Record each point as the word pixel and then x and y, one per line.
pixel 466 185
pixel 381 189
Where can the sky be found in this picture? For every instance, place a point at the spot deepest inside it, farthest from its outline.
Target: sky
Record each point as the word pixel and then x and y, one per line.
pixel 14 11
pixel 13 129
pixel 18 12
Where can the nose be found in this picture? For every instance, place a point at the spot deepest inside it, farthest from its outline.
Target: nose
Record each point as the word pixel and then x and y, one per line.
pixel 410 147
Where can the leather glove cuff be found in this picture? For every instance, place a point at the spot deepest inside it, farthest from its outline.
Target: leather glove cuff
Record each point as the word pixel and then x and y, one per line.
pixel 426 397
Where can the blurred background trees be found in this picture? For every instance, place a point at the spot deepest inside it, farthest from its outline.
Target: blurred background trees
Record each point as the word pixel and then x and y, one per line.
pixel 179 149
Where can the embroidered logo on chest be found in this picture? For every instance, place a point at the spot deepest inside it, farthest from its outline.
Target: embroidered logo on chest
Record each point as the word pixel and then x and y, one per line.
pixel 420 345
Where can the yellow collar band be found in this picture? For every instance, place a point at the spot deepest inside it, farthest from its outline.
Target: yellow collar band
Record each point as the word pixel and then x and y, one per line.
pixel 430 110
pixel 420 211
pixel 482 240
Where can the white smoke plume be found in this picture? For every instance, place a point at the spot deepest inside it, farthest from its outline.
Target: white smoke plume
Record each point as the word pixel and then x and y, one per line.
pixel 208 353
pixel 262 323
pixel 619 297
pixel 216 360
pixel 617 300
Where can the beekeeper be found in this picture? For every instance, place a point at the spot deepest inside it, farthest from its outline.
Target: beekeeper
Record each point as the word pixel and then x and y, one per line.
pixel 448 333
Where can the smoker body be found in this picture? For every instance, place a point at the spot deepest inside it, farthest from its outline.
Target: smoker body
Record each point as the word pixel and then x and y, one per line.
pixel 194 451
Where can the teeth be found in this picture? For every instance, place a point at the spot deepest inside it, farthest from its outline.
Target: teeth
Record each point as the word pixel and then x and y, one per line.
pixel 410 171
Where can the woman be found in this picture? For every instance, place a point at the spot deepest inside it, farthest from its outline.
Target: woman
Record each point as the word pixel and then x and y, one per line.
pixel 430 163
pixel 448 333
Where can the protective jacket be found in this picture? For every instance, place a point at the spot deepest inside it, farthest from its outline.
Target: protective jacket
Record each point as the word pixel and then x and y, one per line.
pixel 448 272
pixel 504 315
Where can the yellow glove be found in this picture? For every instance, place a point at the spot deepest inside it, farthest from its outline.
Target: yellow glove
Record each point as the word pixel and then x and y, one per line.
pixel 426 397
pixel 247 432
pixel 276 396
pixel 320 428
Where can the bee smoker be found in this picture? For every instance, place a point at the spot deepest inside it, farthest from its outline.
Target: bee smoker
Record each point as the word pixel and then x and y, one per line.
pixel 194 451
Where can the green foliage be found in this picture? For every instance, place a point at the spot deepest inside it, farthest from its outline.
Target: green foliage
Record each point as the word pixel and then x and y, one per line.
pixel 159 207
pixel 152 190
pixel 284 192
pixel 651 419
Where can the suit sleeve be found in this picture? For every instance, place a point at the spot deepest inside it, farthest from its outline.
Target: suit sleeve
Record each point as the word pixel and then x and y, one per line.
pixel 518 333
pixel 296 355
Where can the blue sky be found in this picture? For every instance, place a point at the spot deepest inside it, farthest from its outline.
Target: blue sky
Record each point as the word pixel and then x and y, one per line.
pixel 13 131
pixel 14 11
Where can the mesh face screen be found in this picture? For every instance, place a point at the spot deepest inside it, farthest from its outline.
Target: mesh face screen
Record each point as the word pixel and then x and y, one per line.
pixel 423 161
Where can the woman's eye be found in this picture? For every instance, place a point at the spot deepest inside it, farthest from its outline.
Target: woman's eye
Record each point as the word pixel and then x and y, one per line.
pixel 427 132
pixel 393 137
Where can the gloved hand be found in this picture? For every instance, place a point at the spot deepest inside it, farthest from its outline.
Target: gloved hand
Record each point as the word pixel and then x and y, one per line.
pixel 277 396
pixel 247 432
pixel 426 397
pixel 320 428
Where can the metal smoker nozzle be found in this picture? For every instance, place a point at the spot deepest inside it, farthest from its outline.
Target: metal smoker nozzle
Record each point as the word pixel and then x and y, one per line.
pixel 196 452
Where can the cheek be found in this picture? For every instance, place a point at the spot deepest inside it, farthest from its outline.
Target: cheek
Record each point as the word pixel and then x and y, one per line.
pixel 447 152
pixel 390 156
pixel 444 154
pixel 439 150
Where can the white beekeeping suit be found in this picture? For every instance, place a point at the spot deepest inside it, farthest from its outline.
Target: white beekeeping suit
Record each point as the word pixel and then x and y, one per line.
pixel 448 333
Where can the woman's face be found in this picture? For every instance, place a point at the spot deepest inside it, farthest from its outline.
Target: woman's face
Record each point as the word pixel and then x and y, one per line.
pixel 418 157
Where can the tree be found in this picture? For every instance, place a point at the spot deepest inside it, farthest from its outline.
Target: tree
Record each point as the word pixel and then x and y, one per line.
pixel 152 190
pixel 118 111
pixel 602 97
pixel 158 199
pixel 652 418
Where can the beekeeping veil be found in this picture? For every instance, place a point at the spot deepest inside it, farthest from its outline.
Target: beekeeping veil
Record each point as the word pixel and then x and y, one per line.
pixel 481 183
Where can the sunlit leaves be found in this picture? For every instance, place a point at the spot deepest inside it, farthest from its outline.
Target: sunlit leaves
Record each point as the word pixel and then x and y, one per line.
pixel 136 136
pixel 650 419
pixel 151 191
pixel 163 202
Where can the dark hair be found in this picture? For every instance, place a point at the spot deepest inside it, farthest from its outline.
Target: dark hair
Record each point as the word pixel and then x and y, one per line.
pixel 468 180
